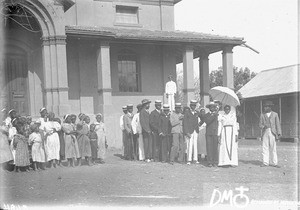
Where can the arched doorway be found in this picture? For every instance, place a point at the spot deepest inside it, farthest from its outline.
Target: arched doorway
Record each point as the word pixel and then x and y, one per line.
pixel 34 57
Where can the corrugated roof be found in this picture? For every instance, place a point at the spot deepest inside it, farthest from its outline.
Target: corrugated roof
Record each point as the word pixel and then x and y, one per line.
pixel 153 35
pixel 272 82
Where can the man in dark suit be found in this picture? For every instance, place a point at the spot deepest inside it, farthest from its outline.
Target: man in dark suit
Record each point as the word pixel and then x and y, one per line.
pixel 211 120
pixel 190 131
pixel 164 130
pixel 271 131
pixel 146 131
pixel 154 125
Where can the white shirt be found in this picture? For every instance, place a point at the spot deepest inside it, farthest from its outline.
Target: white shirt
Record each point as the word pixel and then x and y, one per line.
pixel 268 114
pixel 171 87
pixel 122 123
pixel 135 124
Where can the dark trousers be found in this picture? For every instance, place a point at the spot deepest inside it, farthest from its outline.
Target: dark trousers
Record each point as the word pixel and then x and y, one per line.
pixel 212 149
pixel 147 139
pixel 178 147
pixel 124 137
pixel 156 146
pixel 165 145
pixel 135 146
pixel 129 146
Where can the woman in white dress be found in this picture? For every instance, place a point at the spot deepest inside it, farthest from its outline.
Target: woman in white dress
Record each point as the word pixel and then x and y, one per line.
pixel 100 130
pixel 201 144
pixel 52 144
pixel 227 132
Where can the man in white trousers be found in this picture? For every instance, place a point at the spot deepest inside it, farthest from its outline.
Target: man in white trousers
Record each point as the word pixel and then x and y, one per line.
pixel 137 131
pixel 171 90
pixel 271 131
pixel 190 132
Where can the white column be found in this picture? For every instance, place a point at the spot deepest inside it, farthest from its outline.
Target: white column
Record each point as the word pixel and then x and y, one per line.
pixel 188 74
pixel 62 77
pixel 227 59
pixel 204 78
pixel 47 76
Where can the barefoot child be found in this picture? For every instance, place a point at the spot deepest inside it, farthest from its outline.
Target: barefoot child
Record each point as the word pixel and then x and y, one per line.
pixel 21 146
pixel 38 151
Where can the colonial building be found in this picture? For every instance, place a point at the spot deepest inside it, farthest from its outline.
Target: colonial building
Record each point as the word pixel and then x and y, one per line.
pixel 279 85
pixel 95 56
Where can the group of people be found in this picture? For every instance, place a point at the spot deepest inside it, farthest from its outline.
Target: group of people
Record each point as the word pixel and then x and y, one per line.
pixel 184 135
pixel 48 141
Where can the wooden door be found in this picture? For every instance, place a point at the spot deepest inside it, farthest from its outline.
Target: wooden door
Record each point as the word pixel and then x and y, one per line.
pixel 16 72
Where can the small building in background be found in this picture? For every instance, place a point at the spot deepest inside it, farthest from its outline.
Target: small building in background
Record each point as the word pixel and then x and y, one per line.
pixel 279 85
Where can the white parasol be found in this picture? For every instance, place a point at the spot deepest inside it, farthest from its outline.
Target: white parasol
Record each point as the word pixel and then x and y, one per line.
pixel 225 95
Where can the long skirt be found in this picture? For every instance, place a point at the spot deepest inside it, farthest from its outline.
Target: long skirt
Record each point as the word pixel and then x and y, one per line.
pixel 5 152
pixel 202 141
pixel 228 154
pixel 84 146
pixel 52 147
pixel 22 154
pixel 94 148
pixel 101 146
pixel 71 147
pixel 38 152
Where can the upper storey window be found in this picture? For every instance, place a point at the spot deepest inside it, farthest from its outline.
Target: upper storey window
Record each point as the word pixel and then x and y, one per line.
pixel 127 14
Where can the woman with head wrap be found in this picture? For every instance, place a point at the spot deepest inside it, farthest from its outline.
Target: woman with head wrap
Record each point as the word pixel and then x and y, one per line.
pixel 102 144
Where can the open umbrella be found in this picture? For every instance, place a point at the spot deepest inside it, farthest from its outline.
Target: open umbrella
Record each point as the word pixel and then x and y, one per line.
pixel 225 95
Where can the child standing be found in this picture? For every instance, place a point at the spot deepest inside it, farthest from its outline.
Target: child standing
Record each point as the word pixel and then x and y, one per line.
pixel 21 146
pixel 38 151
pixel 94 142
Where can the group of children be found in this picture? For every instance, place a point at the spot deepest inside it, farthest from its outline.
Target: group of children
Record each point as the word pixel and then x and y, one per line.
pixel 184 135
pixel 47 141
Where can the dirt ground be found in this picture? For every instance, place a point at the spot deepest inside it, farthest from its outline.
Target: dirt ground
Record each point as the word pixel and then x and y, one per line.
pixel 133 183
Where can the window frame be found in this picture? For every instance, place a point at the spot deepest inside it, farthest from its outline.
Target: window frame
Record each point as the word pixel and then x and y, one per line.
pixel 130 52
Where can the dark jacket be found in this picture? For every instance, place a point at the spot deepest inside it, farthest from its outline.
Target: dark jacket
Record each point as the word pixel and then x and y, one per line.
pixel 154 120
pixel 164 124
pixel 127 122
pixel 211 121
pixel 145 120
pixel 190 122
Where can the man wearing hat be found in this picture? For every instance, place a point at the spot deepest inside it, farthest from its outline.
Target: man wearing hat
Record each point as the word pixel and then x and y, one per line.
pixel 124 108
pixel 178 146
pixel 190 131
pixel 171 90
pixel 137 132
pixel 271 131
pixel 129 134
pixel 146 131
pixel 164 130
pixel 154 126
pixel 211 121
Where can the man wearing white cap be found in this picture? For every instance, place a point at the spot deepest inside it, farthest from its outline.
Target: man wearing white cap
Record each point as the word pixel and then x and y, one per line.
pixel 154 125
pixel 124 108
pixel 190 131
pixel 164 130
pixel 178 146
pixel 129 134
pixel 146 131
pixel 171 90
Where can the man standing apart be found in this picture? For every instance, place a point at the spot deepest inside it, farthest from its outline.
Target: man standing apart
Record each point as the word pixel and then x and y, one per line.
pixel 128 130
pixel 124 108
pixel 211 120
pixel 190 131
pixel 271 131
pixel 154 125
pixel 171 90
pixel 178 146
pixel 146 131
